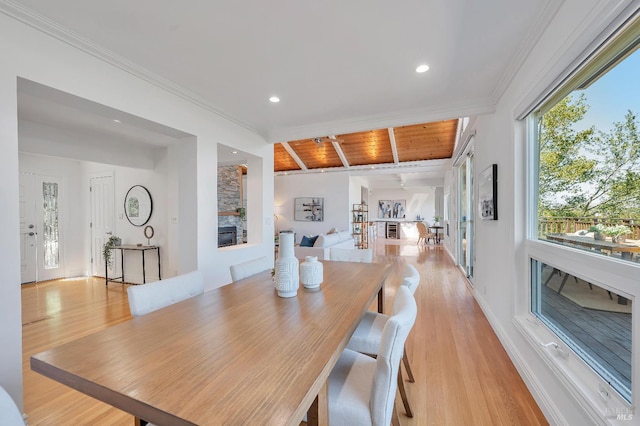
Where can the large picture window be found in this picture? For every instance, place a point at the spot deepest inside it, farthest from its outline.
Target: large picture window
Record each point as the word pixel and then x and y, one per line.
pixel 584 241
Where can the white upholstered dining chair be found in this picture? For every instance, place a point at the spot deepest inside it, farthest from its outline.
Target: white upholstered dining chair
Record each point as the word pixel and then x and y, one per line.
pixel 351 255
pixel 150 297
pixel 9 413
pixel 249 268
pixel 367 336
pixel 362 389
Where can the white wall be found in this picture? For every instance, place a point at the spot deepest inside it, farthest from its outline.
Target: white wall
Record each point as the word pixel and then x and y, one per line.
pixel 156 182
pixel 501 278
pixel 333 187
pixel 419 202
pixel 10 304
pixel 25 50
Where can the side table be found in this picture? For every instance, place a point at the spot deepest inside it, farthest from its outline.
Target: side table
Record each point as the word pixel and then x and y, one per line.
pixel 131 247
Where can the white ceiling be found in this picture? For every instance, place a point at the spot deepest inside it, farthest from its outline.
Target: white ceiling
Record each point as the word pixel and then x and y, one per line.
pixel 338 66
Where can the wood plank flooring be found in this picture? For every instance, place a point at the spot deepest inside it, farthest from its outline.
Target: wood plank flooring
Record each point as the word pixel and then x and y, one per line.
pixel 463 375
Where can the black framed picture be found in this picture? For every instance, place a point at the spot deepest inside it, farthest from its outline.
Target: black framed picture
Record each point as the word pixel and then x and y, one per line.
pixel 488 193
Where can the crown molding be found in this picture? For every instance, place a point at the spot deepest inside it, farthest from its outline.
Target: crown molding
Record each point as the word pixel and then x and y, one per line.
pixel 537 29
pixel 47 26
pixel 466 108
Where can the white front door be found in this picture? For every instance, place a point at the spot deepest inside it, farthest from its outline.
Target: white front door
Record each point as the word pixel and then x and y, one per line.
pixel 28 229
pixel 102 219
pixel 41 235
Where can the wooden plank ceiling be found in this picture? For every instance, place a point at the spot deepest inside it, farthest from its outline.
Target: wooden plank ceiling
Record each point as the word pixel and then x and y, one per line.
pixel 418 142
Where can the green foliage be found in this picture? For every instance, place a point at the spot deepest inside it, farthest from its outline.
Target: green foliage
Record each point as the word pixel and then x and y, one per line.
pixel 107 249
pixel 597 228
pixel 588 172
pixel 616 230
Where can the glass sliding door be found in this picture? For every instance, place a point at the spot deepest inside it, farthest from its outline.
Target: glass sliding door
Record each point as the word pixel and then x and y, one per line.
pixel 465 216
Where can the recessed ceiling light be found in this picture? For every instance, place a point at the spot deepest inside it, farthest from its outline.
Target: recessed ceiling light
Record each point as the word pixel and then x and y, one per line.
pixel 274 99
pixel 373 167
pixel 422 68
pixel 234 152
pixel 116 121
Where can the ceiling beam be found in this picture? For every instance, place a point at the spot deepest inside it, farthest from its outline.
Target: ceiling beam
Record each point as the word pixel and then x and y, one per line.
pixel 338 149
pixel 394 149
pixel 293 155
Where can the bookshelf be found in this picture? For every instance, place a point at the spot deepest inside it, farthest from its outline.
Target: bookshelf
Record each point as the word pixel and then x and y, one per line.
pixel 360 217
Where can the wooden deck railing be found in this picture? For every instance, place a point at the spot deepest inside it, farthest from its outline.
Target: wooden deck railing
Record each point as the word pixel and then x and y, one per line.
pixel 549 225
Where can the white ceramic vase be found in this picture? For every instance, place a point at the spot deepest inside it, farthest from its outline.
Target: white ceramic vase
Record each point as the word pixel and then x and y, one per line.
pixel 311 272
pixel 286 279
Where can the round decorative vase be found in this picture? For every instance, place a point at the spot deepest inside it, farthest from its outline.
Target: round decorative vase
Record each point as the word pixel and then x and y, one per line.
pixel 311 272
pixel 286 278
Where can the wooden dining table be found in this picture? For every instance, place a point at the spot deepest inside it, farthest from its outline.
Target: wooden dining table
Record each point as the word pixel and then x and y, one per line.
pixel 238 354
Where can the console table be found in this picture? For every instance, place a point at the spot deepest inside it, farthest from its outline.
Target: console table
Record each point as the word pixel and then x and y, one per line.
pixel 131 247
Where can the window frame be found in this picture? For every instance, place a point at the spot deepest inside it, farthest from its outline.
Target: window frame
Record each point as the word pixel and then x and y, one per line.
pixel 594 394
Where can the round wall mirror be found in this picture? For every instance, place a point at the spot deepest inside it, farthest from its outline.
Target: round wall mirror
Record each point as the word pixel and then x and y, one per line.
pixel 138 205
pixel 148 232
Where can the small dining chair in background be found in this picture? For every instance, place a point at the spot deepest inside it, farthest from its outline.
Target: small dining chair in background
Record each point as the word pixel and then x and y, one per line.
pixel 146 298
pixel 351 255
pixel 249 268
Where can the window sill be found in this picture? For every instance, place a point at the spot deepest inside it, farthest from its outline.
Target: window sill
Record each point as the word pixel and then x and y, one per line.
pixel 598 399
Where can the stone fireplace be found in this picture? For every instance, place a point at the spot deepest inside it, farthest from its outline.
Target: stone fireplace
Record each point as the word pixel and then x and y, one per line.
pixel 230 202
pixel 227 236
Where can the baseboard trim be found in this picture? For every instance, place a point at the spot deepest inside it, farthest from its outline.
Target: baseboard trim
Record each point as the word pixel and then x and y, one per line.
pixel 552 412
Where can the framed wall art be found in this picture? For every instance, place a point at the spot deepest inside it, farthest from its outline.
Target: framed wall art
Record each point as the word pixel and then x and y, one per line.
pixel 384 209
pixel 488 193
pixel 309 209
pixel 398 209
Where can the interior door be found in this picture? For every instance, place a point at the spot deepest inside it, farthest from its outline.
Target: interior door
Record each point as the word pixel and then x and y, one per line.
pixel 28 229
pixel 41 236
pixel 102 219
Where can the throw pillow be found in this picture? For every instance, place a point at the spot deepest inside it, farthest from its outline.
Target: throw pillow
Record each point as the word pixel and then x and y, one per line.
pixel 308 241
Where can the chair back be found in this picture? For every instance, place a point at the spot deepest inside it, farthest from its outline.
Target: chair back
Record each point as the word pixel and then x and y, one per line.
pixel 150 297
pixel 249 268
pixel 422 229
pixel 394 335
pixel 9 413
pixel 411 278
pixel 351 255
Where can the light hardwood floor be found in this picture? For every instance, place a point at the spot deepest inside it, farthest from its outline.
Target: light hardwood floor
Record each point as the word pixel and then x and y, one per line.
pixel 463 375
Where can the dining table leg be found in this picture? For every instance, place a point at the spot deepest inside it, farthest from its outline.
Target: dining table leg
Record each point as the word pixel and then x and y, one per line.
pixel 381 300
pixel 318 413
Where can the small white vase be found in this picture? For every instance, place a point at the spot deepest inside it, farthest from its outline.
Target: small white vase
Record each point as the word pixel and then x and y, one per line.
pixel 286 279
pixel 311 272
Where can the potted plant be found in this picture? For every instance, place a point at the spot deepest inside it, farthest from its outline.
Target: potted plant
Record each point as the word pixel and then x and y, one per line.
pixel 618 233
pixel 242 212
pixel 598 231
pixel 107 253
pixel 436 220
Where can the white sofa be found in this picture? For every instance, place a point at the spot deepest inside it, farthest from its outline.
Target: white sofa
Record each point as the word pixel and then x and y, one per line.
pixel 342 239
